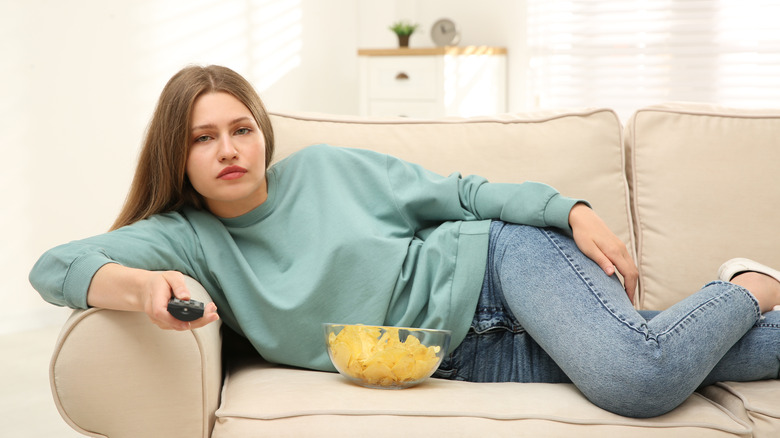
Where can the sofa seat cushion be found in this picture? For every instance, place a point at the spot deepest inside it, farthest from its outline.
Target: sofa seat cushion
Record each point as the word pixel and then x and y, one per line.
pixel 260 399
pixel 756 403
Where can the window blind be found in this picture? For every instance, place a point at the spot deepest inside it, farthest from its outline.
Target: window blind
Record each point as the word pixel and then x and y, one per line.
pixel 625 54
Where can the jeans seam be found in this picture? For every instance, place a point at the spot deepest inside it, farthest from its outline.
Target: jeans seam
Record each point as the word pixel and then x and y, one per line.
pixel 494 261
pixel 592 288
pixel 712 301
pixel 747 293
pixel 646 333
pixel 663 350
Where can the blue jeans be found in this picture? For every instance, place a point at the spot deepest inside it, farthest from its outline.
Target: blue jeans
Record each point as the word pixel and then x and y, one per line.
pixel 548 313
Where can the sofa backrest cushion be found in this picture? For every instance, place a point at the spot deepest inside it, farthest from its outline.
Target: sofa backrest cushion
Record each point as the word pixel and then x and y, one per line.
pixel 580 153
pixel 705 188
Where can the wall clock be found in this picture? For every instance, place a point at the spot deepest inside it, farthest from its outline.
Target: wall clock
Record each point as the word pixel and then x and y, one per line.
pixel 445 32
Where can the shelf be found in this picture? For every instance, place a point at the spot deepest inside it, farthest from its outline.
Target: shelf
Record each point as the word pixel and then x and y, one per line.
pixel 428 51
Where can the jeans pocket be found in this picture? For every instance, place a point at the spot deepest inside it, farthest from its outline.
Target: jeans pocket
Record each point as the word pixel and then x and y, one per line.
pixel 494 320
pixel 487 342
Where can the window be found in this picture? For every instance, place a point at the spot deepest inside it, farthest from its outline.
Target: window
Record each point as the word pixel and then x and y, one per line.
pixel 625 54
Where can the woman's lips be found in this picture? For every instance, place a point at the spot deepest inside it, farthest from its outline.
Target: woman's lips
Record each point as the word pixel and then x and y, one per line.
pixel 232 172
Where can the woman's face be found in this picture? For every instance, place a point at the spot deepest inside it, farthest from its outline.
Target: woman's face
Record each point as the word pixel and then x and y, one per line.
pixel 226 162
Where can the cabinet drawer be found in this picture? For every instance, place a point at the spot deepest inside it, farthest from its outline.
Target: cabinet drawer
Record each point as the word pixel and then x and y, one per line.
pixel 402 77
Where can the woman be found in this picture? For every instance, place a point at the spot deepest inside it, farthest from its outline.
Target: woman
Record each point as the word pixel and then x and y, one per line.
pixel 522 276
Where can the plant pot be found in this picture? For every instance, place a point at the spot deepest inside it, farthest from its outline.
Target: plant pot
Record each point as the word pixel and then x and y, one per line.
pixel 403 40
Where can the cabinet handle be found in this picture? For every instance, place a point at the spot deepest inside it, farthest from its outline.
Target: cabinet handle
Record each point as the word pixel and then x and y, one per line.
pixel 402 77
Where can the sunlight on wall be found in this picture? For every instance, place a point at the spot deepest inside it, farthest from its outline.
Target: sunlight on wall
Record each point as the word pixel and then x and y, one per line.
pixel 470 86
pixel 15 231
pixel 275 40
pixel 462 74
pixel 749 65
pixel 261 39
pixel 627 54
pixel 84 77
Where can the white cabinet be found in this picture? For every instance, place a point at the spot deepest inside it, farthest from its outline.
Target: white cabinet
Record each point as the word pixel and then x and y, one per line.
pixel 436 82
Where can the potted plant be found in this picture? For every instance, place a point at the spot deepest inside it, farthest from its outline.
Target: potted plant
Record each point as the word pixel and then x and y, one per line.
pixel 403 29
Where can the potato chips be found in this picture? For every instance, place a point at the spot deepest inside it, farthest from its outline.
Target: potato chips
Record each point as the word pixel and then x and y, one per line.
pixel 381 359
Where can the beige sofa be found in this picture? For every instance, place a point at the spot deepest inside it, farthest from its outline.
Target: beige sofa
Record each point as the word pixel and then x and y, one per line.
pixel 685 186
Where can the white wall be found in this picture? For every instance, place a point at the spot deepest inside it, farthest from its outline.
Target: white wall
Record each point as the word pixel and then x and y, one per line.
pixel 79 79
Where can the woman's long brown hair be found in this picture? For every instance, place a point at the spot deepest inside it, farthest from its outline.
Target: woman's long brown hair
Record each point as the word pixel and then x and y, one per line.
pixel 160 183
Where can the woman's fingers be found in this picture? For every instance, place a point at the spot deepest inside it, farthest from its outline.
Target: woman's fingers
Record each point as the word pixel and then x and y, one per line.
pixel 630 275
pixel 627 268
pixel 172 284
pixel 177 284
pixel 601 245
pixel 209 315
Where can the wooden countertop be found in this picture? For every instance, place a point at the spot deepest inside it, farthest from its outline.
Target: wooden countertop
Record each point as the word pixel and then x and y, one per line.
pixel 428 51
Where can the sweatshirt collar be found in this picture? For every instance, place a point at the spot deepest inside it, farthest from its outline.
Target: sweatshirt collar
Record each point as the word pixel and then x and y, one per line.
pixel 260 212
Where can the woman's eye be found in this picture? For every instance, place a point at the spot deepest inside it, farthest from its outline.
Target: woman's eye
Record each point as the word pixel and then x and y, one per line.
pixel 242 131
pixel 202 138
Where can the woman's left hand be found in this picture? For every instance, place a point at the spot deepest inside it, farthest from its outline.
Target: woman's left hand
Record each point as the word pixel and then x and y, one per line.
pixel 601 245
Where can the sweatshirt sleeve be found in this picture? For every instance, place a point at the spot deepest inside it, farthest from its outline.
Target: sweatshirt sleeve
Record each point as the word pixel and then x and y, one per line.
pixel 63 274
pixel 426 197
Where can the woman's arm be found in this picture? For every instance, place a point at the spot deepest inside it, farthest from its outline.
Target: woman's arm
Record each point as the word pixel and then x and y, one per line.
pixel 121 288
pixel 134 268
pixel 425 196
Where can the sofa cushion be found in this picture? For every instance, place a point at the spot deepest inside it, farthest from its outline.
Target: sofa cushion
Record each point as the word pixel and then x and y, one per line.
pixel 705 188
pixel 580 153
pixel 263 400
pixel 756 403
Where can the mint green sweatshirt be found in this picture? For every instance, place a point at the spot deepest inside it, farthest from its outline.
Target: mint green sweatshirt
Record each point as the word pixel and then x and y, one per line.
pixel 346 236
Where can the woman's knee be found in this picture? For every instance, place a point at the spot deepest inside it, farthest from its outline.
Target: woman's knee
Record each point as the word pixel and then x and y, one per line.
pixel 640 394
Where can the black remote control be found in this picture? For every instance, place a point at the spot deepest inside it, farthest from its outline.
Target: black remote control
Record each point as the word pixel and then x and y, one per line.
pixel 185 310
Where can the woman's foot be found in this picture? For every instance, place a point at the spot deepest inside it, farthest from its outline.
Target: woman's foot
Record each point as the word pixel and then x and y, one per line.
pixel 761 281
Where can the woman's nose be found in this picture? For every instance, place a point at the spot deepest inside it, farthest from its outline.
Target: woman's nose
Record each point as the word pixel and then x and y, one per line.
pixel 227 151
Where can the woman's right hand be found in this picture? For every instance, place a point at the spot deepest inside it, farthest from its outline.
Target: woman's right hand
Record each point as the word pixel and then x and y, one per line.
pixel 121 288
pixel 161 287
pixel 601 245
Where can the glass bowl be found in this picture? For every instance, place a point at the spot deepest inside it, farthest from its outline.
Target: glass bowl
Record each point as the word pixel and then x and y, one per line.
pixel 385 357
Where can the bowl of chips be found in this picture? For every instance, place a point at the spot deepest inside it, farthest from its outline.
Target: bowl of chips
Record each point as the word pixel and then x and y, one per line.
pixel 385 357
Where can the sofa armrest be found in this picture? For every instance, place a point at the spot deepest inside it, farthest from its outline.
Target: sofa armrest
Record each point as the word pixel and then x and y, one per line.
pixel 116 374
